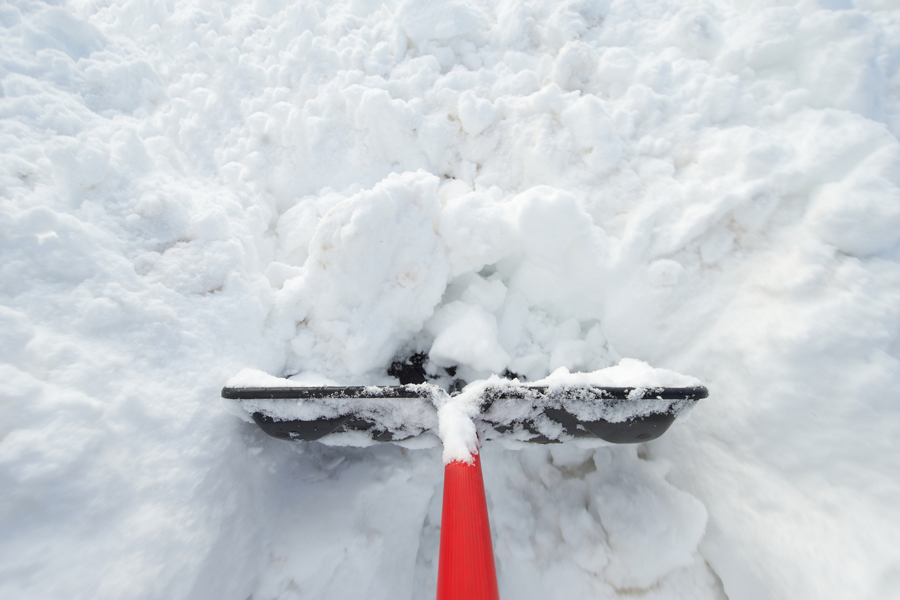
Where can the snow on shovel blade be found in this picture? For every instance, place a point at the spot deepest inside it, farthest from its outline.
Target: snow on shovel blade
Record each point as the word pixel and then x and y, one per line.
pixel 619 415
pixel 379 413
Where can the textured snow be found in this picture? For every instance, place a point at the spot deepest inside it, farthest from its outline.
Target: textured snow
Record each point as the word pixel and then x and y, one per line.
pixel 308 189
pixel 628 373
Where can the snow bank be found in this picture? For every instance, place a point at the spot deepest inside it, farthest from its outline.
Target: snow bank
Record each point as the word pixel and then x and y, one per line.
pixel 194 188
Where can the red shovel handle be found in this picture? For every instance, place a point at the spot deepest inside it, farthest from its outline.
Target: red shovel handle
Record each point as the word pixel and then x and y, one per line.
pixel 466 565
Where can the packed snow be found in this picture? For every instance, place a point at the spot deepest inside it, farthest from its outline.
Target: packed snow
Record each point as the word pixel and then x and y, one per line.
pixel 313 189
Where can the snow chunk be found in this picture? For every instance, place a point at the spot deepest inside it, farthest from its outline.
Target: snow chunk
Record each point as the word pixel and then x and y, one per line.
pixel 478 230
pixel 80 164
pixel 257 378
pixel 475 114
pixel 423 20
pixel 375 271
pixel 467 335
pixel 859 216
pixel 628 373
pixel 652 527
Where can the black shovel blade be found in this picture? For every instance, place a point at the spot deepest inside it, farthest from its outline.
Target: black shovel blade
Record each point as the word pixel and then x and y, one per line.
pixel 544 415
pixel 618 415
pixel 376 413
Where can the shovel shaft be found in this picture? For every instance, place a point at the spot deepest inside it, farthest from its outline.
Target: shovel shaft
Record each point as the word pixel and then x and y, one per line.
pixel 466 564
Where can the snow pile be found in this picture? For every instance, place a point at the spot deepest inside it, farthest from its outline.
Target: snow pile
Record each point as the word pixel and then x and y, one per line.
pixel 375 270
pixel 628 373
pixel 190 189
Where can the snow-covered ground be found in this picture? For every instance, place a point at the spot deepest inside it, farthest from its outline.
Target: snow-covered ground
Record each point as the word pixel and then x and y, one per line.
pixel 188 189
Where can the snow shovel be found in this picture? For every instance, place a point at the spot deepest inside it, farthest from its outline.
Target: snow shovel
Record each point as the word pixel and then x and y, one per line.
pixel 508 409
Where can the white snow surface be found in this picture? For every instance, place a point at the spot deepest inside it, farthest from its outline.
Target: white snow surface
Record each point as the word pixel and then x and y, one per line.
pixel 192 188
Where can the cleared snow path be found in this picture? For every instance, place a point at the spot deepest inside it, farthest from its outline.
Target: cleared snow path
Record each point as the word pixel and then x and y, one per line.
pixel 192 188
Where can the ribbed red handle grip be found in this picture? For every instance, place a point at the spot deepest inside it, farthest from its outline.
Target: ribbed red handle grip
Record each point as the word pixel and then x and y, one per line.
pixel 466 565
